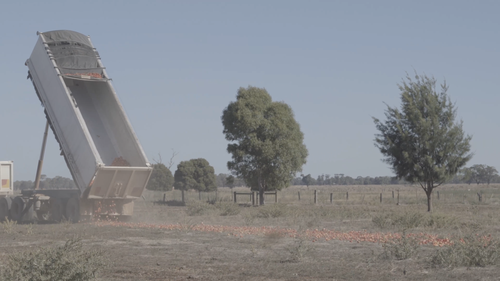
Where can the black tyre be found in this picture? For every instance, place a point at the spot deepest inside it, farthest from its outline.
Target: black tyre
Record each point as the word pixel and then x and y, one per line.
pixel 16 209
pixel 56 210
pixel 72 210
pixel 4 208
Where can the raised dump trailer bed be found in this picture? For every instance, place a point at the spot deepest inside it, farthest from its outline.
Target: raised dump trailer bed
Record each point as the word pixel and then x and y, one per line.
pixel 102 151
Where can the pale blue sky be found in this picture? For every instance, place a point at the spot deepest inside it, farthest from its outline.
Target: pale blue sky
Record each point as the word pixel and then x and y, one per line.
pixel 177 64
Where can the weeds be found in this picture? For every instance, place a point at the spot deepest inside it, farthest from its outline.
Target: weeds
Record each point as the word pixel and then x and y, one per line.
pixel 409 220
pixel 402 248
pixel 67 262
pixel 248 218
pixel 8 225
pixel 469 251
pixel 227 208
pixel 298 250
pixel 198 208
pixel 381 221
pixel 349 213
pixel 440 221
pixel 29 229
pixel 273 211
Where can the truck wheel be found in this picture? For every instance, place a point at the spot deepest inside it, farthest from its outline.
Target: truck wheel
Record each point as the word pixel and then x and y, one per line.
pixel 43 216
pixel 86 209
pixel 5 203
pixel 72 210
pixel 56 209
pixel 17 208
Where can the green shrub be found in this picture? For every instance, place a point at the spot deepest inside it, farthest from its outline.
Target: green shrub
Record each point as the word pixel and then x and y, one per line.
pixel 273 211
pixel 381 221
pixel 67 262
pixel 408 220
pixel 227 208
pixel 402 248
pixel 198 208
pixel 299 249
pixel 469 251
pixel 440 221
pixel 8 225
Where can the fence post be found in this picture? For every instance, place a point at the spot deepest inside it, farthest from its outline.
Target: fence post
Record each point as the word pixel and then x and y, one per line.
pixel 347 195
pixel 315 196
pixel 331 198
pixel 398 197
pixel 380 197
pixel 253 198
pixel 182 196
pixel 299 195
pixel 234 196
pixel 393 194
pixel 164 197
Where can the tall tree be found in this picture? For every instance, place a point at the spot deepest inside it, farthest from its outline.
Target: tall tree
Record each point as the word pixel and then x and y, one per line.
pixel 195 174
pixel 481 173
pixel 490 173
pixel 266 146
pixel 220 180
pixel 422 142
pixel 161 178
pixel 308 180
pixel 230 181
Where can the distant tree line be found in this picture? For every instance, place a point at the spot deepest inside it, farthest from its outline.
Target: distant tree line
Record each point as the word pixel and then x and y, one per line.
pixel 476 174
pixel 341 179
pixel 197 174
pixel 56 182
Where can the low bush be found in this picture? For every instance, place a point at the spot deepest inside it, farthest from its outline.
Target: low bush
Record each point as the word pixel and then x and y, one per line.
pixel 402 248
pixel 198 208
pixel 469 251
pixel 409 220
pixel 272 211
pixel 67 262
pixel 227 208
pixel 299 249
pixel 8 225
pixel 440 221
pixel 381 221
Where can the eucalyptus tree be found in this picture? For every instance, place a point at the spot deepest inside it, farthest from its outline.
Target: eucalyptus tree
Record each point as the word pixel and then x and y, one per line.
pixel 195 174
pixel 161 178
pixel 481 173
pixel 230 181
pixel 422 142
pixel 266 143
pixel 308 180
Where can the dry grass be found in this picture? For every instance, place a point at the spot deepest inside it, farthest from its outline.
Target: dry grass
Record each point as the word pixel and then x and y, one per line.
pixel 67 262
pixel 149 253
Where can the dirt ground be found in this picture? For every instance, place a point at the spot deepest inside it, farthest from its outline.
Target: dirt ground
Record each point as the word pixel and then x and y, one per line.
pixel 143 252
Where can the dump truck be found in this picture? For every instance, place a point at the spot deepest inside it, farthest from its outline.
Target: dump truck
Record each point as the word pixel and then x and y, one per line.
pixel 6 187
pixel 96 139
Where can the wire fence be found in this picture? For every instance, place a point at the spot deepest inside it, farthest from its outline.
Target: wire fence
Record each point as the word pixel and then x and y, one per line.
pixel 321 195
